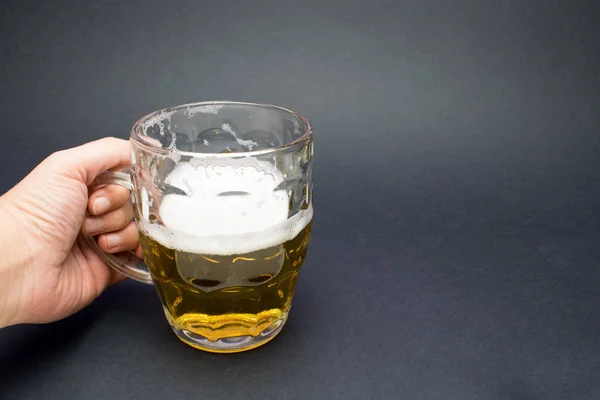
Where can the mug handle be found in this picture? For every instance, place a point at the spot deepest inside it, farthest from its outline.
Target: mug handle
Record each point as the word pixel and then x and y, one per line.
pixel 126 263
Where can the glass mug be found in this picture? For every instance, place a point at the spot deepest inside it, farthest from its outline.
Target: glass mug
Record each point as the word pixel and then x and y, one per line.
pixel 222 196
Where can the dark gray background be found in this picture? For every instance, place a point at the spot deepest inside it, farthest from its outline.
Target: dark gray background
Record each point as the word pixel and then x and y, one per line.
pixel 456 243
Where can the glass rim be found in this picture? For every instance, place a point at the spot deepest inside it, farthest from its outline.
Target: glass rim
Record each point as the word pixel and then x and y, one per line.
pixel 138 140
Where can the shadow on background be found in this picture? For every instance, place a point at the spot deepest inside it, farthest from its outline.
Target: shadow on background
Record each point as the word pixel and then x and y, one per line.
pixel 126 327
pixel 29 351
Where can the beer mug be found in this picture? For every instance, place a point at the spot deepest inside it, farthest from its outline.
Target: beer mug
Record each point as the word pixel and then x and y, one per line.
pixel 223 200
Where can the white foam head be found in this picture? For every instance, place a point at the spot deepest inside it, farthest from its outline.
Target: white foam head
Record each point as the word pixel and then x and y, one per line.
pixel 229 209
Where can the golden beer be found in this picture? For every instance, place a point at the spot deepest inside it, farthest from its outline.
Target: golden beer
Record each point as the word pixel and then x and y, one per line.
pixel 218 297
pixel 226 256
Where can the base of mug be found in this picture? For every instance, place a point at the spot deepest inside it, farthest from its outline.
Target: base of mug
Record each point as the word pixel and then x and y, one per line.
pixel 231 344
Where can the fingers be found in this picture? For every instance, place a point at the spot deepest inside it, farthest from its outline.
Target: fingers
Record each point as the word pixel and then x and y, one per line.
pixel 105 276
pixel 107 199
pixel 122 240
pixel 138 251
pixel 93 158
pixel 111 217
pixel 113 221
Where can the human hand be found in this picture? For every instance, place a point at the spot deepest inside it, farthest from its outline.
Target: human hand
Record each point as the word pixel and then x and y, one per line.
pixel 47 270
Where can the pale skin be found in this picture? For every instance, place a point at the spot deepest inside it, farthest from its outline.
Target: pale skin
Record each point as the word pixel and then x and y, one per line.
pixel 47 270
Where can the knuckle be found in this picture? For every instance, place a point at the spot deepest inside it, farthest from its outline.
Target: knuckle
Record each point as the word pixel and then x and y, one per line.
pixel 58 157
pixel 107 139
pixel 120 219
pixel 124 216
pixel 118 193
pixel 132 233
pixel 111 141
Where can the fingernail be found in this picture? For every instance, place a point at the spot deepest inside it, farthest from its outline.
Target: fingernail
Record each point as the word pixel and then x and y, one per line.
pixel 101 204
pixel 93 225
pixel 113 239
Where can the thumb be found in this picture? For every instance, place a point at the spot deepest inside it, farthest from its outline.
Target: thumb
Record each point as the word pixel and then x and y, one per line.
pixel 91 159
